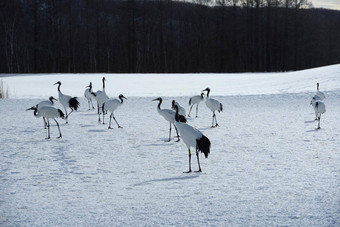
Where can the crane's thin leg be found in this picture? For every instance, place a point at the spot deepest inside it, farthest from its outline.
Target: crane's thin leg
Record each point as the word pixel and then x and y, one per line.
pixel 177 134
pixel 196 110
pixel 319 117
pixel 92 103
pixel 48 129
pixel 212 125
pixel 189 162
pixel 44 119
pixel 216 120
pixel 110 121
pixel 170 133
pixel 58 128
pixel 66 116
pixel 316 116
pixel 190 110
pixel 198 161
pixel 113 116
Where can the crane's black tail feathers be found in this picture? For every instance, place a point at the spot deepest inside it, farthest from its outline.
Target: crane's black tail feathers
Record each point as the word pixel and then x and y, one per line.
pixel 94 94
pixel 221 107
pixel 189 102
pixel 182 119
pixel 61 114
pixel 203 145
pixel 74 103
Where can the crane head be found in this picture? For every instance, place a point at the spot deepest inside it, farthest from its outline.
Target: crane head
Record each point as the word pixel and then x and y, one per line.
pixel 158 99
pixel 207 89
pixel 32 108
pixel 122 96
pixel 57 83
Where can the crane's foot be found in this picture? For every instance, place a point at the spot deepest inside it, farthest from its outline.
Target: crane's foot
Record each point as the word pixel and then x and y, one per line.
pixel 318 128
pixel 178 140
pixel 198 171
pixel 188 171
pixel 120 126
pixel 110 128
pixel 217 125
pixel 48 138
pixel 59 137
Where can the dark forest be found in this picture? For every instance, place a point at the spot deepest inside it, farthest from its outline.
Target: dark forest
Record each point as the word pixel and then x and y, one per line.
pixel 87 36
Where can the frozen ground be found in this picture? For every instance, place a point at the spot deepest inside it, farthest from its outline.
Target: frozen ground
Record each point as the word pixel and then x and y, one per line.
pixel 268 166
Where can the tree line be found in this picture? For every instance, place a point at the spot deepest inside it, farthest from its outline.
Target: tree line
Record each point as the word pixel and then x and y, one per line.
pixel 165 36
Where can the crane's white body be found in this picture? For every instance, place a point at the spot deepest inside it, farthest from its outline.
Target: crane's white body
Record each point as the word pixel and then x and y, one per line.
pixel 89 96
pixel 48 112
pixel 48 102
pixel 180 108
pixel 101 97
pixel 195 100
pixel 319 108
pixel 110 106
pixel 213 105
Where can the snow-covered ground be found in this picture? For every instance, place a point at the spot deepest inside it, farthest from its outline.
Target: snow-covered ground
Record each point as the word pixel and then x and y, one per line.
pixel 268 166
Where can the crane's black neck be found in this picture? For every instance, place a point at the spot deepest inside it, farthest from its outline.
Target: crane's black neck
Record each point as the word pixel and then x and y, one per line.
pixel 35 111
pixel 51 100
pixel 121 99
pixel 159 104
pixel 202 95
pixel 59 87
pixel 177 114
pixel 208 93
pixel 103 83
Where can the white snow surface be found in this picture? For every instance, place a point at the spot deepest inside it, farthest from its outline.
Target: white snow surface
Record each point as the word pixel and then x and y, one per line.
pixel 268 165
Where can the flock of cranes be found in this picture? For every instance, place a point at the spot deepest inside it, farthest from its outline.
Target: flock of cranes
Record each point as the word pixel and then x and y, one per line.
pixel 176 116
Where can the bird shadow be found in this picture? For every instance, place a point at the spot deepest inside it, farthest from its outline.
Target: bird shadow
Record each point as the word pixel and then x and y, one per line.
pixel 97 130
pixel 308 122
pixel 186 177
pixel 314 130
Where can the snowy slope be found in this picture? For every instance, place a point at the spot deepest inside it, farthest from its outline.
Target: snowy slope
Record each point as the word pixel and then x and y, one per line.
pixel 137 85
pixel 268 166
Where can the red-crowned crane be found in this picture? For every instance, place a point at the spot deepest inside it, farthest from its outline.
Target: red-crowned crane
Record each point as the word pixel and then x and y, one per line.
pixel 169 116
pixel 100 97
pixel 48 102
pixel 180 108
pixel 319 108
pixel 319 93
pixel 48 112
pixel 195 100
pixel 192 137
pixel 67 102
pixel 213 105
pixel 111 105
pixel 89 95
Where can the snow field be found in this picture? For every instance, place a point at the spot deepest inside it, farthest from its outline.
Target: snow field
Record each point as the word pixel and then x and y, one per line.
pixel 268 165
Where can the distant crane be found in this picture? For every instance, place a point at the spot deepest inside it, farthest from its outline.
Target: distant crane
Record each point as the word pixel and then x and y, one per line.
pixel 67 101
pixel 100 97
pixel 48 102
pixel 88 95
pixel 195 100
pixel 213 105
pixel 319 108
pixel 180 108
pixel 192 138
pixel 169 115
pixel 111 105
pixel 48 112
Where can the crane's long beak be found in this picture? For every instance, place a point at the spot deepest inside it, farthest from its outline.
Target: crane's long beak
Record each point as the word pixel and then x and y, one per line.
pixel 155 99
pixel 56 83
pixel 32 108
pixel 124 97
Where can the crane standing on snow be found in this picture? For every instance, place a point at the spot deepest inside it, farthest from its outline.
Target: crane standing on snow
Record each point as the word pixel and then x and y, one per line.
pixel 67 101
pixel 213 105
pixel 195 100
pixel 111 105
pixel 48 102
pixel 88 95
pixel 48 112
pixel 169 115
pixel 192 138
pixel 319 108
pixel 100 97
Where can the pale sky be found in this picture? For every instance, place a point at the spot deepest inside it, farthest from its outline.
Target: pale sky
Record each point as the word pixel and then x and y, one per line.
pixel 329 4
